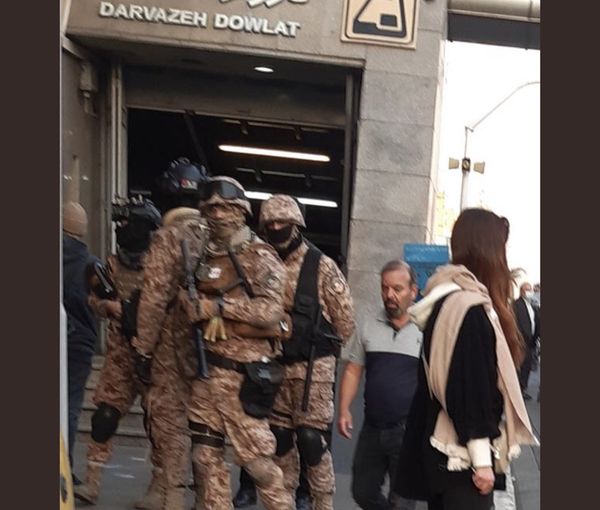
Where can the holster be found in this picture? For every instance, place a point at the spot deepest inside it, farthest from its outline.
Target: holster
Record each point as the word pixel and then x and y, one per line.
pixel 260 386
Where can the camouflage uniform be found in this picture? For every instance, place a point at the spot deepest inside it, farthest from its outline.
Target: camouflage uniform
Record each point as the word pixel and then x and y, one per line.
pixel 164 334
pixel 337 309
pixel 334 297
pixel 215 407
pixel 118 386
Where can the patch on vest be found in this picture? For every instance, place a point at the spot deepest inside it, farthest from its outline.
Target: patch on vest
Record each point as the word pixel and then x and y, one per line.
pixel 272 281
pixel 338 286
pixel 202 272
pixel 214 273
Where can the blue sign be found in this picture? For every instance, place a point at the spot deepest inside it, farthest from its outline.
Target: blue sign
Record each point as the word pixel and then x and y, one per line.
pixel 424 259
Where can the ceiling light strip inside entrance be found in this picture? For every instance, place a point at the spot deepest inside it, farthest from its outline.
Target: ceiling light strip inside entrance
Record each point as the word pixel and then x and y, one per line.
pixel 273 153
pixel 261 195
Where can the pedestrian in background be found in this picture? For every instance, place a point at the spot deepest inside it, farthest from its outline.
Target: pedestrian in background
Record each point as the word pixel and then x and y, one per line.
pixel 528 321
pixel 81 323
pixel 536 299
pixel 467 375
pixel 386 347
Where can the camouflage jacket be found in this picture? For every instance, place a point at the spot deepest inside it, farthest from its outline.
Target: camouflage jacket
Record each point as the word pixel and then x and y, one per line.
pixel 163 272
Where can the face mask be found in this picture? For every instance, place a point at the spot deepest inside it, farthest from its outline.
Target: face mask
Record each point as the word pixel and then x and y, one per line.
pixel 278 237
pixel 228 224
pixel 133 237
pixel 528 295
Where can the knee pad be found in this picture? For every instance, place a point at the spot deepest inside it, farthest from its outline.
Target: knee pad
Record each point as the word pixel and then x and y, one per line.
pixel 262 470
pixel 105 422
pixel 312 445
pixel 203 435
pixel 285 439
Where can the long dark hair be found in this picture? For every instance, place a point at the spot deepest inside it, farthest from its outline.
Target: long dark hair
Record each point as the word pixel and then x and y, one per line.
pixel 479 243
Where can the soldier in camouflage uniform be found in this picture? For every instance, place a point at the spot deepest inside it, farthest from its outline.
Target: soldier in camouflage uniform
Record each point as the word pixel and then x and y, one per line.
pixel 118 386
pixel 240 305
pixel 166 353
pixel 322 284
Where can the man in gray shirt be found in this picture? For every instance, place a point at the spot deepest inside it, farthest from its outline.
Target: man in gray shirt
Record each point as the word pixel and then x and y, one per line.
pixel 386 346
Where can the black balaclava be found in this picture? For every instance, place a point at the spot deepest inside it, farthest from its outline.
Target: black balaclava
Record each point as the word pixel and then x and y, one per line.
pixel 285 240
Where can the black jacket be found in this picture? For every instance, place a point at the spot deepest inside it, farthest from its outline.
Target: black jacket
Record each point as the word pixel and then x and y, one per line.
pixel 473 401
pixel 524 322
pixel 81 323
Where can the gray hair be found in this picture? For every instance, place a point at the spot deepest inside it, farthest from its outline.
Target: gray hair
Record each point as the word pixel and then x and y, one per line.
pixel 394 265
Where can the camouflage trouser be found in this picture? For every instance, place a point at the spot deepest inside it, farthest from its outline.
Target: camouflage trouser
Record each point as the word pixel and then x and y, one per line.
pixel 216 412
pixel 118 386
pixel 167 401
pixel 100 453
pixel 288 414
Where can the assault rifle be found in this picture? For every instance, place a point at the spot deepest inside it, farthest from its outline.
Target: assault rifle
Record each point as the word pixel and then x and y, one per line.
pixel 190 284
pixel 317 335
pixel 100 282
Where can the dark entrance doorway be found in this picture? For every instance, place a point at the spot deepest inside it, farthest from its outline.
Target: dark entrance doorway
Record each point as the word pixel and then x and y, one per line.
pixel 312 169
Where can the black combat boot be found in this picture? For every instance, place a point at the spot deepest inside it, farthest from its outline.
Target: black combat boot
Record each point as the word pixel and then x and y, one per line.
pixel 303 501
pixel 246 495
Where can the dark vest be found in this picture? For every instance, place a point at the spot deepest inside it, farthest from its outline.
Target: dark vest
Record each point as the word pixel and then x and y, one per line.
pixel 308 324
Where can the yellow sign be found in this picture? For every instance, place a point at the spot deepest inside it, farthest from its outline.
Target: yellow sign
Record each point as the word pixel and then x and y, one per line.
pixel 384 22
pixel 65 496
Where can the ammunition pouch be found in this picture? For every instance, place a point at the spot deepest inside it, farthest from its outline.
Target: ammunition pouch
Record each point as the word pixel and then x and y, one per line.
pixel 129 309
pixel 260 386
pixel 304 335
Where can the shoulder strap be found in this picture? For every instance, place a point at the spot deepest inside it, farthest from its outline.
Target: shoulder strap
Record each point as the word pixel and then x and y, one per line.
pixel 308 278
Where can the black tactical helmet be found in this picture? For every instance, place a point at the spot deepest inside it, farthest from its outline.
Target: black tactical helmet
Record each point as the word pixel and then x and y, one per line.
pixel 136 220
pixel 183 178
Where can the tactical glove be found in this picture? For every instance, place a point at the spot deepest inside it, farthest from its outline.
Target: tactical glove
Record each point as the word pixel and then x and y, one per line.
pixel 197 310
pixel 215 330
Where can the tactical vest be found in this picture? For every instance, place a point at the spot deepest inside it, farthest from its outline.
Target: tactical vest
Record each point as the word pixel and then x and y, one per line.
pixel 308 325
pixel 217 274
pixel 218 277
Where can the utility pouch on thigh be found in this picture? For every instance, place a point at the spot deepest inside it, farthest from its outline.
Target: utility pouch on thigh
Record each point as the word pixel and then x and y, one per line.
pixel 260 386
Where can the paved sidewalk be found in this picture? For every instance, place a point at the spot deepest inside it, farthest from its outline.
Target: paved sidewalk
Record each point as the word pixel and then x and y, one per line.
pixel 527 468
pixel 126 477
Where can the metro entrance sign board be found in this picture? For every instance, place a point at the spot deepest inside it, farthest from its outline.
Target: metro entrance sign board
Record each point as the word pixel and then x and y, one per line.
pixel 424 259
pixel 383 22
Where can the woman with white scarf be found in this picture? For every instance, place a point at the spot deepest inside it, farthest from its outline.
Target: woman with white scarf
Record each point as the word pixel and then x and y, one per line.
pixel 468 417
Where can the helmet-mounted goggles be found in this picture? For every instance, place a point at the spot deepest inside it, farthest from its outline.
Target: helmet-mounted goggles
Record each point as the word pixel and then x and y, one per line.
pixel 224 189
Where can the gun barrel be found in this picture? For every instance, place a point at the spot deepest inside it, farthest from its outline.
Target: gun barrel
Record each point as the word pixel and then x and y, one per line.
pixel 202 371
pixel 308 380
